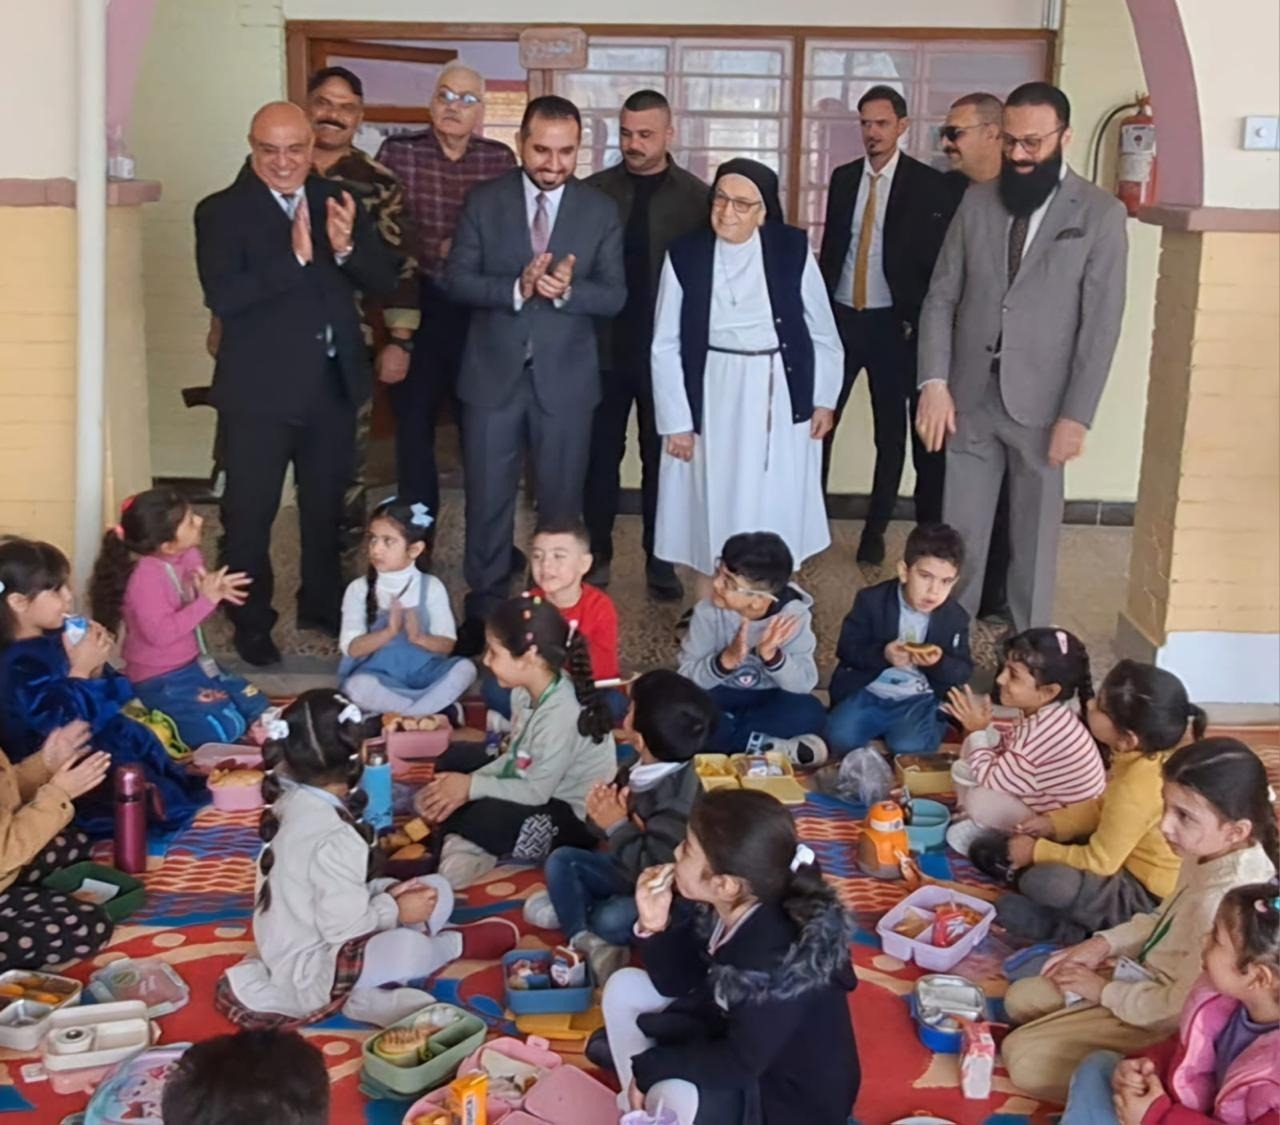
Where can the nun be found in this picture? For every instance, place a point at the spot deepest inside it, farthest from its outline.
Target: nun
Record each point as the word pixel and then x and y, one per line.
pixel 747 366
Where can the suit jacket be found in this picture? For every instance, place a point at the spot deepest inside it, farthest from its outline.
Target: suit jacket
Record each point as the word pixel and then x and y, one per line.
pixel 1058 323
pixel 873 622
pixel 679 206
pixel 915 222
pixel 491 247
pixel 272 357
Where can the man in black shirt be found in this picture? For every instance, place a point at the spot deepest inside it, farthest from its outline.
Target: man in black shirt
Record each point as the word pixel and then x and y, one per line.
pixel 658 201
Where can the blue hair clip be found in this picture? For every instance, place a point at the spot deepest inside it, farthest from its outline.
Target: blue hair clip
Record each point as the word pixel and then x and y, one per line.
pixel 420 516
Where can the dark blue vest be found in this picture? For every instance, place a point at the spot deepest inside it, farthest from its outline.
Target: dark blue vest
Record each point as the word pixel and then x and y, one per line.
pixel 786 250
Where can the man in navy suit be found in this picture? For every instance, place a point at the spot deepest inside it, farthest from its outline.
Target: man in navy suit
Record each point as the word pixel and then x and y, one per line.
pixel 902 648
pixel 281 254
pixel 537 255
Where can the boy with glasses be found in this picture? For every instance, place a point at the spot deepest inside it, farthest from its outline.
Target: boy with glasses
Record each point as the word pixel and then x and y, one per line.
pixel 751 645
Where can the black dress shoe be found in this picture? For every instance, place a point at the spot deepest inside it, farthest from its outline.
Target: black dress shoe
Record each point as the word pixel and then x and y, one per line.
pixel 871 547
pixel 329 626
pixel 257 649
pixel 600 574
pixel 664 584
pixel 519 563
pixel 470 640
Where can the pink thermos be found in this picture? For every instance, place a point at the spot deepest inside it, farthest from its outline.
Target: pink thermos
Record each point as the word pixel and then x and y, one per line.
pixel 131 819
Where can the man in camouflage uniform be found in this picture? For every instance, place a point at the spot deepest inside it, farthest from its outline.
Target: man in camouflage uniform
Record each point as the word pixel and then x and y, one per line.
pixel 335 104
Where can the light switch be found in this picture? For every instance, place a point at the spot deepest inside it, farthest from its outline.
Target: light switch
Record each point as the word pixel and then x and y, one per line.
pixel 1261 133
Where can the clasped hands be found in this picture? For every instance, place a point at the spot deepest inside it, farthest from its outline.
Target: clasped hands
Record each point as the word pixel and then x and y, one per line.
pixel 780 629
pixel 541 280
pixel 340 219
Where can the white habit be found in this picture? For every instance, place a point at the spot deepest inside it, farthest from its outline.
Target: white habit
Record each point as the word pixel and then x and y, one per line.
pixel 753 469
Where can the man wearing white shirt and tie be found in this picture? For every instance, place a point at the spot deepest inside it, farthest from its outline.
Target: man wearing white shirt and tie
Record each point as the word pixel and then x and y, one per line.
pixel 281 254
pixel 886 218
pixel 537 255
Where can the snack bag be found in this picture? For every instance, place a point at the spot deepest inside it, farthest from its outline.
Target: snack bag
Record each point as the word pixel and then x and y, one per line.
pixel 977 1060
pixel 950 924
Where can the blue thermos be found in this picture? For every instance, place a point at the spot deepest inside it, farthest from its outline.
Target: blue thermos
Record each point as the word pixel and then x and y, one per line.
pixel 376 782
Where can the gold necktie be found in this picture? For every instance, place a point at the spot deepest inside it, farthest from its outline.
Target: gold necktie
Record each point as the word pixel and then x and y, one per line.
pixel 864 246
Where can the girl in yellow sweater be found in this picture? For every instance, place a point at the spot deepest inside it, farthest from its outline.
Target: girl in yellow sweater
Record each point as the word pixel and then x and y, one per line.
pixel 1219 821
pixel 1097 863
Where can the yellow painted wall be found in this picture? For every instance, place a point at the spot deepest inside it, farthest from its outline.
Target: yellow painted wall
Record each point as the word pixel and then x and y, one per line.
pixel 209 65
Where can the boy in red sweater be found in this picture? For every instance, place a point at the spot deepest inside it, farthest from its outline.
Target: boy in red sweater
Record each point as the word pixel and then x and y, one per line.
pixel 559 558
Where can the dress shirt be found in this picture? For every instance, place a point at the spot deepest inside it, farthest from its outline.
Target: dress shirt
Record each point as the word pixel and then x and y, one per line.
pixel 878 294
pixel 531 193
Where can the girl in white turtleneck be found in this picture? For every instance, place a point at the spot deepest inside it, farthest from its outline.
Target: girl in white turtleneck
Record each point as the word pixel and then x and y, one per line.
pixel 398 631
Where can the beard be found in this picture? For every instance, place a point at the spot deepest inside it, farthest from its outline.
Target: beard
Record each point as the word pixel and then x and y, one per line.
pixel 1023 192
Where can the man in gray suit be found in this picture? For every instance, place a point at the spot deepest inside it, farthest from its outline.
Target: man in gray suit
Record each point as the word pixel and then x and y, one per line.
pixel 1016 340
pixel 536 254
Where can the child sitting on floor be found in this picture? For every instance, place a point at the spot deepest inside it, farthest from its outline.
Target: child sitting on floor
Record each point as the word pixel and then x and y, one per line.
pixel 743 1013
pixel 273 1077
pixel 51 676
pixel 1096 864
pixel 590 894
pixel 751 645
pixel 38 926
pixel 532 798
pixel 326 932
pixel 1044 761
pixel 559 558
pixel 398 631
pixel 1224 1065
pixel 903 646
pixel 1218 818
pixel 150 577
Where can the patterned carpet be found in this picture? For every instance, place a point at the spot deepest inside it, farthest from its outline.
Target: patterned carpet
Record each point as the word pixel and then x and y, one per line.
pixel 197 919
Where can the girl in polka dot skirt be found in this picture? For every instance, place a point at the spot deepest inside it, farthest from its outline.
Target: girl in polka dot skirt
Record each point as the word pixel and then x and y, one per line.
pixel 38 926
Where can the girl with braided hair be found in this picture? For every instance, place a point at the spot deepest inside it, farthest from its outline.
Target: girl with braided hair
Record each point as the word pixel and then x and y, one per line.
pixel 398 630
pixel 324 928
pixel 532 797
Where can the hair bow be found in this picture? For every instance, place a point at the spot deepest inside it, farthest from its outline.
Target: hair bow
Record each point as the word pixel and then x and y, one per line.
pixel 573 628
pixel 1062 640
pixel 420 516
pixel 803 857
pixel 350 713
pixel 277 729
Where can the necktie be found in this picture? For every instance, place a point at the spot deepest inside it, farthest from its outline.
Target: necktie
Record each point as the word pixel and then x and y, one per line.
pixel 541 231
pixel 291 203
pixel 1017 243
pixel 864 246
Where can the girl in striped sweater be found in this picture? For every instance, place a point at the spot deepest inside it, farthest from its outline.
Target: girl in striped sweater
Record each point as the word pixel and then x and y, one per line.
pixel 1047 759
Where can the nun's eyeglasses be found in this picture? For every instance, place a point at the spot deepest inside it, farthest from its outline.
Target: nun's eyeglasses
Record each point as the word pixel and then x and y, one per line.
pixel 740 206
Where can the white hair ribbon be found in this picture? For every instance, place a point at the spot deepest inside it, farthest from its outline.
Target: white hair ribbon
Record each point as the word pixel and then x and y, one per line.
pixel 1062 641
pixel 804 857
pixel 350 714
pixel 420 516
pixel 573 628
pixel 277 729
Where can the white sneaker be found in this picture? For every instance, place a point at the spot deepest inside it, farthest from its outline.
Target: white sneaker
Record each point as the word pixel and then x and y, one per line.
pixel 540 913
pixel 807 752
pixel 385 1006
pixel 961 835
pixel 462 862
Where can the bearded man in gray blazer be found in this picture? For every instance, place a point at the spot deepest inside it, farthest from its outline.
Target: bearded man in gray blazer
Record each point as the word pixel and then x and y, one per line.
pixel 1017 335
pixel 537 255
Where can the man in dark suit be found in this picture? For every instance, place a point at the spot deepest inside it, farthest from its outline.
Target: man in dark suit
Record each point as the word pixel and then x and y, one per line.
pixel 536 255
pixel 886 218
pixel 281 254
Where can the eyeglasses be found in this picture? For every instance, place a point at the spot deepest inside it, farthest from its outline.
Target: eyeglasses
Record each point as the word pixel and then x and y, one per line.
pixel 740 206
pixel 729 582
pixel 1030 145
pixel 953 133
pixel 449 97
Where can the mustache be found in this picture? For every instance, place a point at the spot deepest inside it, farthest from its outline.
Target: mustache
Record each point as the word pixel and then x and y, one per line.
pixel 330 121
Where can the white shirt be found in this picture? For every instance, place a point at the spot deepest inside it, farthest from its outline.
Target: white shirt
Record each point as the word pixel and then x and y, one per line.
pixel 531 193
pixel 405 585
pixel 878 294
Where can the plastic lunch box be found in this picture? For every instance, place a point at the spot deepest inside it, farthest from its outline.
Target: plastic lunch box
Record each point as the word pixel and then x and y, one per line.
pixel 929 823
pixel 952 999
pixel 147 979
pixel 23 1020
pixel 129 899
pixel 101 1036
pixel 213 754
pixel 446 1049
pixel 785 788
pixel 538 1001
pixel 925 901
pixel 714 772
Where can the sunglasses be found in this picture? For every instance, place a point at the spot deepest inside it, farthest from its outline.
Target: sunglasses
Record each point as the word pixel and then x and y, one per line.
pixel 953 133
pixel 449 97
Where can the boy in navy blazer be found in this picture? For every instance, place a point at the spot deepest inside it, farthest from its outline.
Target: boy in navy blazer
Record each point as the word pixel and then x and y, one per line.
pixel 902 647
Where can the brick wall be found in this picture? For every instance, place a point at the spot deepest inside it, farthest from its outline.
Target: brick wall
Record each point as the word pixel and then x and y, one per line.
pixel 1207 531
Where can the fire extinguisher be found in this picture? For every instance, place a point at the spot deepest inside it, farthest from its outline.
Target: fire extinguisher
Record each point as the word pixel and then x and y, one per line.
pixel 1136 167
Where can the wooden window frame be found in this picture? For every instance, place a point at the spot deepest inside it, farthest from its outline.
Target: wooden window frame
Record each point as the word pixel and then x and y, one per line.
pixel 299 34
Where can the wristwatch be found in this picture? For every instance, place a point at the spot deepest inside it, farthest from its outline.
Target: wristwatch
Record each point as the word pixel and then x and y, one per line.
pixel 405 345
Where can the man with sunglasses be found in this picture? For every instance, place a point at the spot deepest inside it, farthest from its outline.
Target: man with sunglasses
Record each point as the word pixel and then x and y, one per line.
pixel 1016 340
pixel 438 166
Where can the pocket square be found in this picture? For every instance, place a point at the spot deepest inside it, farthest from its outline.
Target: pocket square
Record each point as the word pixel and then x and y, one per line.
pixel 1070 232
